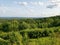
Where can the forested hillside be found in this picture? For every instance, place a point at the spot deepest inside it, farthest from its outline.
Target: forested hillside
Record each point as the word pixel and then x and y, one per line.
pixel 30 31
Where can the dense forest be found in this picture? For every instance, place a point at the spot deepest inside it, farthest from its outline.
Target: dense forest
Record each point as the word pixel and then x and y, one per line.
pixel 30 31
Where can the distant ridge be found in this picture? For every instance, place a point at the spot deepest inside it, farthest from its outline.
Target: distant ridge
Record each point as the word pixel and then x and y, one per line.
pixel 27 17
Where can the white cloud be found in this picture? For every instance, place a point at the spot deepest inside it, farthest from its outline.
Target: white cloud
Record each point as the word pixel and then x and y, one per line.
pixel 9 11
pixel 33 3
pixel 40 3
pixel 15 12
pixel 3 10
pixel 58 5
pixel 55 1
pixel 29 3
pixel 54 4
pixel 31 10
pixel 23 3
pixel 37 3
pixel 51 6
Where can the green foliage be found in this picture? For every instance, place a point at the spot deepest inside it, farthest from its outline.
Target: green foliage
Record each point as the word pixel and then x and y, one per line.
pixel 14 25
pixel 23 25
pixel 11 38
pixel 4 42
pixel 5 27
pixel 30 31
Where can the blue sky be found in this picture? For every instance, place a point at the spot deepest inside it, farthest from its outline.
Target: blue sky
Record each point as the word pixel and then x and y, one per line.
pixel 29 8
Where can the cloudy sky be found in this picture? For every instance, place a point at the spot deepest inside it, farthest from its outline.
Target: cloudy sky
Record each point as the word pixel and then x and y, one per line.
pixel 29 8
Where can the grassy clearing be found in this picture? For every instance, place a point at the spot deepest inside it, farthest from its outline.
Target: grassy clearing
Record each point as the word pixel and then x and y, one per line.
pixel 44 41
